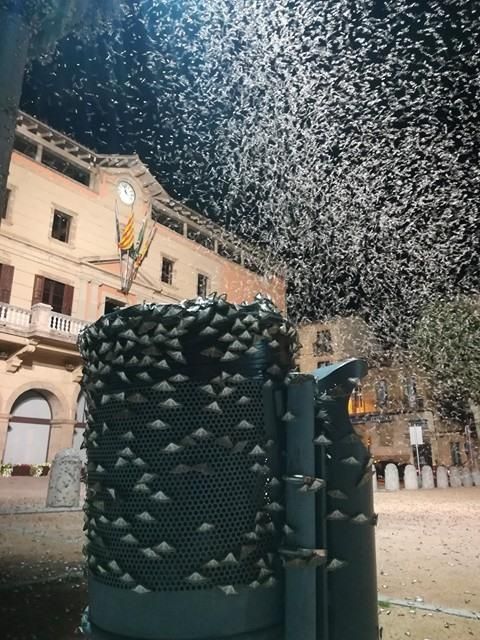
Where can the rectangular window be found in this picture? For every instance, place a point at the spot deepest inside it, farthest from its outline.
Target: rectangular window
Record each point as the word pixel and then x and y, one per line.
pixel 167 271
pixel 323 343
pixel 112 305
pixel 381 390
pixel 202 285
pixel 200 238
pixel 5 204
pixel 68 169
pixel 167 221
pixel 455 453
pixel 56 294
pixel 6 280
pixel 230 253
pixel 25 146
pixel 61 226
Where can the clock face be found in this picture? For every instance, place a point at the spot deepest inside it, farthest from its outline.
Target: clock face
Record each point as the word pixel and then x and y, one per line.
pixel 126 192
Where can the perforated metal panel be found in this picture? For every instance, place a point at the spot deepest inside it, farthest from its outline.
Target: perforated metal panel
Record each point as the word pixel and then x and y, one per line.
pixel 181 487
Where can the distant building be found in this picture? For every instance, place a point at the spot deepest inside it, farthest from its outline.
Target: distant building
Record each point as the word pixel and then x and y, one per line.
pixel 391 406
pixel 59 270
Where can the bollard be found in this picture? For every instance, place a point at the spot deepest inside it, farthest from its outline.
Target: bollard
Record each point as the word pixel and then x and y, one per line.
pixel 466 477
pixel 184 509
pixel 427 477
pixel 64 480
pixel 442 477
pixel 392 480
pixel 455 478
pixel 410 478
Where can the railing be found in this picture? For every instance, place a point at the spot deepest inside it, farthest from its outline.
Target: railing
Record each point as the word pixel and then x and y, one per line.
pixel 66 324
pixel 15 316
pixel 40 319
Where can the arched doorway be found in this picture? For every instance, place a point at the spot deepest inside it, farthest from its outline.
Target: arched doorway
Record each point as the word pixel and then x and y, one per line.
pixel 28 430
pixel 79 429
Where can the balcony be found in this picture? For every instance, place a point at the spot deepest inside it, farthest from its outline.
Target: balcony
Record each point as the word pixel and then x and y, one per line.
pixel 39 321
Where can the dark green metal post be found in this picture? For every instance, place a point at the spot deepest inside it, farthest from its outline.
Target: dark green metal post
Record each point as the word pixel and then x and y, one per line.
pixel 352 584
pixel 304 551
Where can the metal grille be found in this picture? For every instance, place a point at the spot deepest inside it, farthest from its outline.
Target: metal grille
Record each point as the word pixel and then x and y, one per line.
pixel 181 491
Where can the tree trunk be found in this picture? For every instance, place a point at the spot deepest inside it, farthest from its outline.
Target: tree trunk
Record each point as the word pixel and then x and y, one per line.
pixel 14 41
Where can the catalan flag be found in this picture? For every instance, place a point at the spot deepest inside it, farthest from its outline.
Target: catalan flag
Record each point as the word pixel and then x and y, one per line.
pixel 128 236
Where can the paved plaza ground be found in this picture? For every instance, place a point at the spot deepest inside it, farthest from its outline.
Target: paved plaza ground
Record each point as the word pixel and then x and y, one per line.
pixel 428 550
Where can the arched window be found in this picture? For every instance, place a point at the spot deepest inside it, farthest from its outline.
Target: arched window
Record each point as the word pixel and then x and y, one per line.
pixel 28 430
pixel 80 424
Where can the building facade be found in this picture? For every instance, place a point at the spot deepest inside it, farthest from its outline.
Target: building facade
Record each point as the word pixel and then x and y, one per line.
pixel 59 270
pixel 391 407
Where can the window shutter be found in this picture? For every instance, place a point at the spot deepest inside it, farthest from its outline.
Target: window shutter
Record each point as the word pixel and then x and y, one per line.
pixel 38 286
pixel 6 279
pixel 67 300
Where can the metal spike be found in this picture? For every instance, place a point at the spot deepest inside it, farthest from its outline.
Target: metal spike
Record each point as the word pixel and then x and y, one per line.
pixel 205 528
pixel 243 401
pixel 126 453
pixel 141 589
pixel 121 462
pixel 337 494
pixel 162 365
pixel 179 378
pixel 172 448
pixel 224 442
pixel 208 331
pixel 229 356
pixel 336 564
pixel 164 548
pixel 227 391
pixel 243 424
pixel 337 515
pixel 158 425
pixel 274 370
pixel 201 434
pixel 237 378
pixel 127 436
pixel 212 564
pixel 351 460
pixel 129 539
pixel 288 416
pixel 207 388
pixel 181 468
pixel 144 377
pixel 114 567
pixel 240 446
pixel 145 517
pixel 141 488
pixel 136 398
pixel 120 523
pixel 139 462
pixel 149 553
pixel 196 578
pixel 214 407
pixel 228 590
pixel 271 582
pixel 361 518
pixel 160 497
pixel 163 386
pixel 176 355
pixel 111 492
pixel 254 585
pixel 230 559
pixel 274 506
pixel 127 578
pixel 227 337
pixel 322 441
pixel 170 404
pixel 257 451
